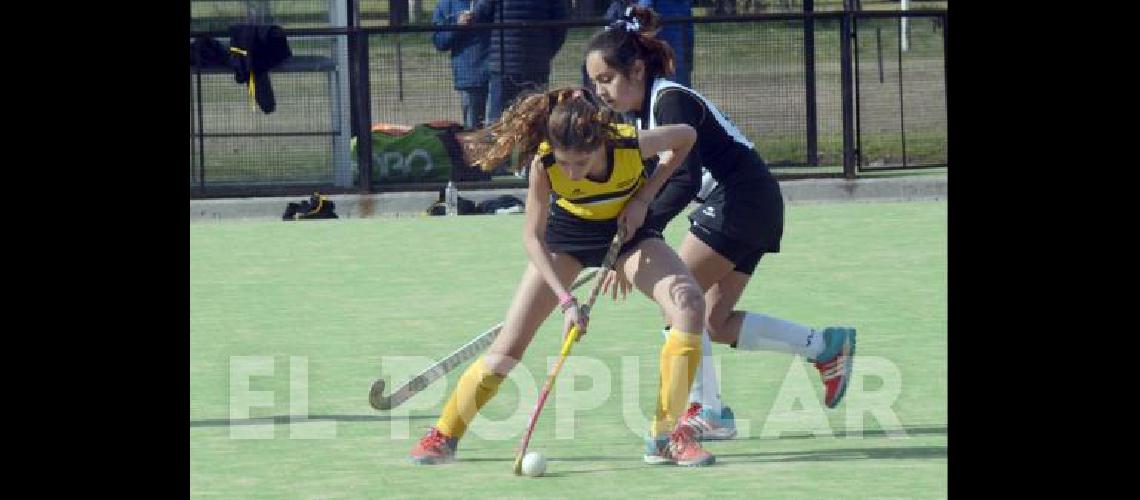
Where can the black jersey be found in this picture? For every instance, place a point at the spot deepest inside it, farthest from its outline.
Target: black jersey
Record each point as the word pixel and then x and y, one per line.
pixel 721 148
pixel 744 203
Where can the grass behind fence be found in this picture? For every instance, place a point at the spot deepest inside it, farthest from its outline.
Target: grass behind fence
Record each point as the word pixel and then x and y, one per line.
pixel 753 71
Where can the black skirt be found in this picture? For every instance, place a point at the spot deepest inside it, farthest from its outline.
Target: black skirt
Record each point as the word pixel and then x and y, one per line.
pixel 749 211
pixel 588 240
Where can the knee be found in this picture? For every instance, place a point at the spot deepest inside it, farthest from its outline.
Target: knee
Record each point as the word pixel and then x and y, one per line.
pixel 688 299
pixel 717 325
pixel 717 332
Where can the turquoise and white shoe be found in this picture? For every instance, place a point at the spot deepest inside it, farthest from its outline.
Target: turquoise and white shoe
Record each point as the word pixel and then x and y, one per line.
pixel 710 427
pixel 835 362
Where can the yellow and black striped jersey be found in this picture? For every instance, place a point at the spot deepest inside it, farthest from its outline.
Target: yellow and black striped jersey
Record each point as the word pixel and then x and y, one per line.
pixel 593 200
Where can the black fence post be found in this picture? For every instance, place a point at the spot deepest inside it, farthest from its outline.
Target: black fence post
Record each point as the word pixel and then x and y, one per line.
pixel 361 100
pixel 398 16
pixel 397 12
pixel 879 50
pixel 946 77
pixel 845 36
pixel 353 10
pixel 201 125
pixel 809 84
pixel 856 87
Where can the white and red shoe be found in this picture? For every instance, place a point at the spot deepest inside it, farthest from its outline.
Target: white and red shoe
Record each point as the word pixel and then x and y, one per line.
pixel 710 427
pixel 680 447
pixel 835 362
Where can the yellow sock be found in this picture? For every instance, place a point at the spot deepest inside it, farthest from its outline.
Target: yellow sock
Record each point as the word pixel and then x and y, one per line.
pixel 477 386
pixel 680 357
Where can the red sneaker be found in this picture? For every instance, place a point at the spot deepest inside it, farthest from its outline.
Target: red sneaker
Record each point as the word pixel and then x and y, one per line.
pixel 434 448
pixel 684 449
pixel 835 363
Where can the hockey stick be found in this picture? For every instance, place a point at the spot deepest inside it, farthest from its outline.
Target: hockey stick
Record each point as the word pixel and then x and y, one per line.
pixel 413 386
pixel 607 264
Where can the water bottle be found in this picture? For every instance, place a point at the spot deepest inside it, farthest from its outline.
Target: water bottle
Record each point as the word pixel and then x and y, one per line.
pixel 451 199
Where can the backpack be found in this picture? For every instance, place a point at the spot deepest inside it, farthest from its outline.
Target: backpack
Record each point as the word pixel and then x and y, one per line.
pixel 493 205
pixel 316 207
pixel 428 152
pixel 463 206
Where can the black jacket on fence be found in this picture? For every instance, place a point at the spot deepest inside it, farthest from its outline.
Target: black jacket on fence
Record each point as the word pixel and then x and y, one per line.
pixel 522 51
pixel 254 50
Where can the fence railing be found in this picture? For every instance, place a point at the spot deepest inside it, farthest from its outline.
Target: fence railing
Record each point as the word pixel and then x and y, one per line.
pixel 821 94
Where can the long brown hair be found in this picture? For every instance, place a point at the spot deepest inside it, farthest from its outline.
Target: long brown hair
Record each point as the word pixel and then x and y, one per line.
pixel 630 38
pixel 570 118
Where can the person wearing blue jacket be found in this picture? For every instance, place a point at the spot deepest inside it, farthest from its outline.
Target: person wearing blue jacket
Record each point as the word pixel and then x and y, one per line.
pixel 469 51
pixel 519 59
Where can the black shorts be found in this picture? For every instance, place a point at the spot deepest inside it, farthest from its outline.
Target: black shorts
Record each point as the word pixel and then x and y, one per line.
pixel 744 257
pixel 751 213
pixel 588 240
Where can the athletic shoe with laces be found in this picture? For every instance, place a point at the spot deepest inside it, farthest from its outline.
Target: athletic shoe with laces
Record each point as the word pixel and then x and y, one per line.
pixel 434 448
pixel 835 362
pixel 679 447
pixel 710 427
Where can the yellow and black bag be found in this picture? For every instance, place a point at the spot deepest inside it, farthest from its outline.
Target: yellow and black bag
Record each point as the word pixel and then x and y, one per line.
pixel 316 207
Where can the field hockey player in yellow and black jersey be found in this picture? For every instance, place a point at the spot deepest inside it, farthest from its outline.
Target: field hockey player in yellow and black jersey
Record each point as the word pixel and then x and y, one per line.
pixel 587 177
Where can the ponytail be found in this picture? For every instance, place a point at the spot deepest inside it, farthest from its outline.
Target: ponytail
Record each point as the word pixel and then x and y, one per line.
pixel 569 118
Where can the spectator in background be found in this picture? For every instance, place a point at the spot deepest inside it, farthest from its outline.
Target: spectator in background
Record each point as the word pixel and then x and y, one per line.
pixel 468 58
pixel 519 59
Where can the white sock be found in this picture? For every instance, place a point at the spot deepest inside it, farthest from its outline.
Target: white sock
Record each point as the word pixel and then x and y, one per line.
pixel 706 387
pixel 763 332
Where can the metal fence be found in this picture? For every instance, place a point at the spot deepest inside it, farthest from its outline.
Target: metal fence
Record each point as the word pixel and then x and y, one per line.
pixel 833 93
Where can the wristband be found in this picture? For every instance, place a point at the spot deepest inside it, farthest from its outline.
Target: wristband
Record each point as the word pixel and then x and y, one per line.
pixel 567 303
pixel 564 297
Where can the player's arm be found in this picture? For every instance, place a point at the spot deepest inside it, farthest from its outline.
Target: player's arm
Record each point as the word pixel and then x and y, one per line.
pixel 534 227
pixel 672 144
pixel 675 105
pixel 534 239
pixel 680 189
